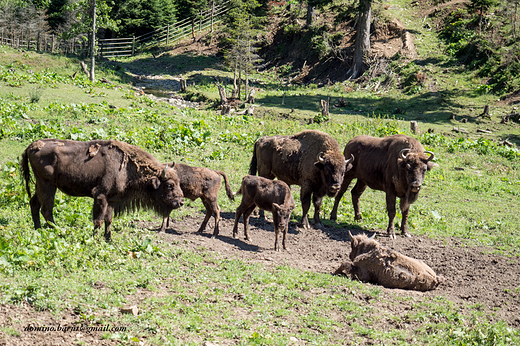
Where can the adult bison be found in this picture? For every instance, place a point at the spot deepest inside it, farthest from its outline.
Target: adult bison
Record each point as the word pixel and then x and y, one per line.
pixel 311 159
pixel 395 164
pixel 119 176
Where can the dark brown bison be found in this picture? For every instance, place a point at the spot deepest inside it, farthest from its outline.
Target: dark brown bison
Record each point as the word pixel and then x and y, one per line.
pixel 119 176
pixel 266 194
pixel 395 164
pixel 311 159
pixel 374 263
pixel 203 183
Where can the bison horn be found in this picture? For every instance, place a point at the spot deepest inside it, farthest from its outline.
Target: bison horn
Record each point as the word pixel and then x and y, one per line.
pixel 403 152
pixel 432 155
pixel 321 158
pixel 163 174
pixel 350 160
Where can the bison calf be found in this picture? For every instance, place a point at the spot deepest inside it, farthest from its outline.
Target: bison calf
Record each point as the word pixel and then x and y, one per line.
pixel 374 263
pixel 203 183
pixel 270 195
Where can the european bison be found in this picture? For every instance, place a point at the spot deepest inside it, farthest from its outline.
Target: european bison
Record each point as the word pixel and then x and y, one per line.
pixel 374 263
pixel 266 194
pixel 311 159
pixel 119 176
pixel 395 164
pixel 203 183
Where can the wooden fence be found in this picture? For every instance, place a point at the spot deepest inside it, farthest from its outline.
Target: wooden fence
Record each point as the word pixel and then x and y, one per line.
pixel 166 35
pixel 42 42
pixel 115 47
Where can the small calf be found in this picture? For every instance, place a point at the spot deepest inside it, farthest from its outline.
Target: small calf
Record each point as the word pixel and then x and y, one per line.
pixel 203 183
pixel 372 262
pixel 266 194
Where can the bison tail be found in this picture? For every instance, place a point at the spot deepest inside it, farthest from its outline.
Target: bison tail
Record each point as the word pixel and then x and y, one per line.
pixel 229 192
pixel 26 173
pixel 253 166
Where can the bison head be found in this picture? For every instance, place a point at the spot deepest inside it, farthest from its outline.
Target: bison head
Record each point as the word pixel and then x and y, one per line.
pixel 414 166
pixel 332 167
pixel 167 188
pixel 361 244
pixel 282 214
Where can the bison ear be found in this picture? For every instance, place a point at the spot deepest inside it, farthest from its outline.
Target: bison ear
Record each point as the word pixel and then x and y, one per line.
pixel 156 182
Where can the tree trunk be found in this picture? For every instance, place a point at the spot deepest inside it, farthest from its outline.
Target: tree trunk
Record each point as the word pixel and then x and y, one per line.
pixel 311 14
pixel 362 44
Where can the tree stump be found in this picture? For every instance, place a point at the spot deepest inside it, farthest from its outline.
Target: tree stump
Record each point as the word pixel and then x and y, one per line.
pixel 414 127
pixel 84 68
pixel 486 112
pixel 251 96
pixel 222 94
pixel 325 108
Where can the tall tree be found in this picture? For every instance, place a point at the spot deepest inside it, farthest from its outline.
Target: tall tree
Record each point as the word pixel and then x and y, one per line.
pixel 138 17
pixel 362 41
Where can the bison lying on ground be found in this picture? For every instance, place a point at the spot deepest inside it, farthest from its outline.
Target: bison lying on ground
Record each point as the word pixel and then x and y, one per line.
pixel 374 263
pixel 203 183
pixel 396 165
pixel 311 159
pixel 270 195
pixel 119 176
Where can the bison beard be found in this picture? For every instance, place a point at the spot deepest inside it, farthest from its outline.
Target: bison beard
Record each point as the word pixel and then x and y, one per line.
pixel 396 165
pixel 119 177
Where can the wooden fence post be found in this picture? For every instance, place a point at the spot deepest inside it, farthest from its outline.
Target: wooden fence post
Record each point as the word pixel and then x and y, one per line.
pixel 133 45
pixel 168 35
pixel 52 44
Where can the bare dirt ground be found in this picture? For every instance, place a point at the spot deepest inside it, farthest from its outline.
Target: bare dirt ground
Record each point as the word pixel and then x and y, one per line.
pixel 473 274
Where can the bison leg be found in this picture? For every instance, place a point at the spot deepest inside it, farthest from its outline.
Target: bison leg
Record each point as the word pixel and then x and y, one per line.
pixel 165 224
pixel 305 197
pixel 35 211
pixel 209 212
pixel 247 213
pixel 99 210
pixel 46 194
pixel 317 207
pixel 405 210
pixel 240 210
pixel 339 196
pixel 390 208
pixel 356 193
pixel 108 222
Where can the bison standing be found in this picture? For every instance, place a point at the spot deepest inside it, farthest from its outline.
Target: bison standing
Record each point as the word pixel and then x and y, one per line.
pixel 374 263
pixel 203 183
pixel 311 159
pixel 395 164
pixel 271 195
pixel 119 176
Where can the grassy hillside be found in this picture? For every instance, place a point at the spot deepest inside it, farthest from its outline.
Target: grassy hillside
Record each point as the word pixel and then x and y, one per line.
pixel 190 296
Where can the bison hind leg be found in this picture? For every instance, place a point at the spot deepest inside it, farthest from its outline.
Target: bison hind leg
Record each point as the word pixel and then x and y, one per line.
pixel 35 211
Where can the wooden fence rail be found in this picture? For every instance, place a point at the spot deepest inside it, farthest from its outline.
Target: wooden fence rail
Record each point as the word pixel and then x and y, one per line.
pixel 114 47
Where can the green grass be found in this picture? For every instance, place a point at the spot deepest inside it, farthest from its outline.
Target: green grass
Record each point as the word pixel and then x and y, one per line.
pixel 187 297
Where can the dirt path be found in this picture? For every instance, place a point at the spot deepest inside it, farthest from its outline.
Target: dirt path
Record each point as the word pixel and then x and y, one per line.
pixel 473 275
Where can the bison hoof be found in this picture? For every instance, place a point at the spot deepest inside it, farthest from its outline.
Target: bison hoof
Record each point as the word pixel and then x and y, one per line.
pixel 407 235
pixel 358 218
pixel 392 236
